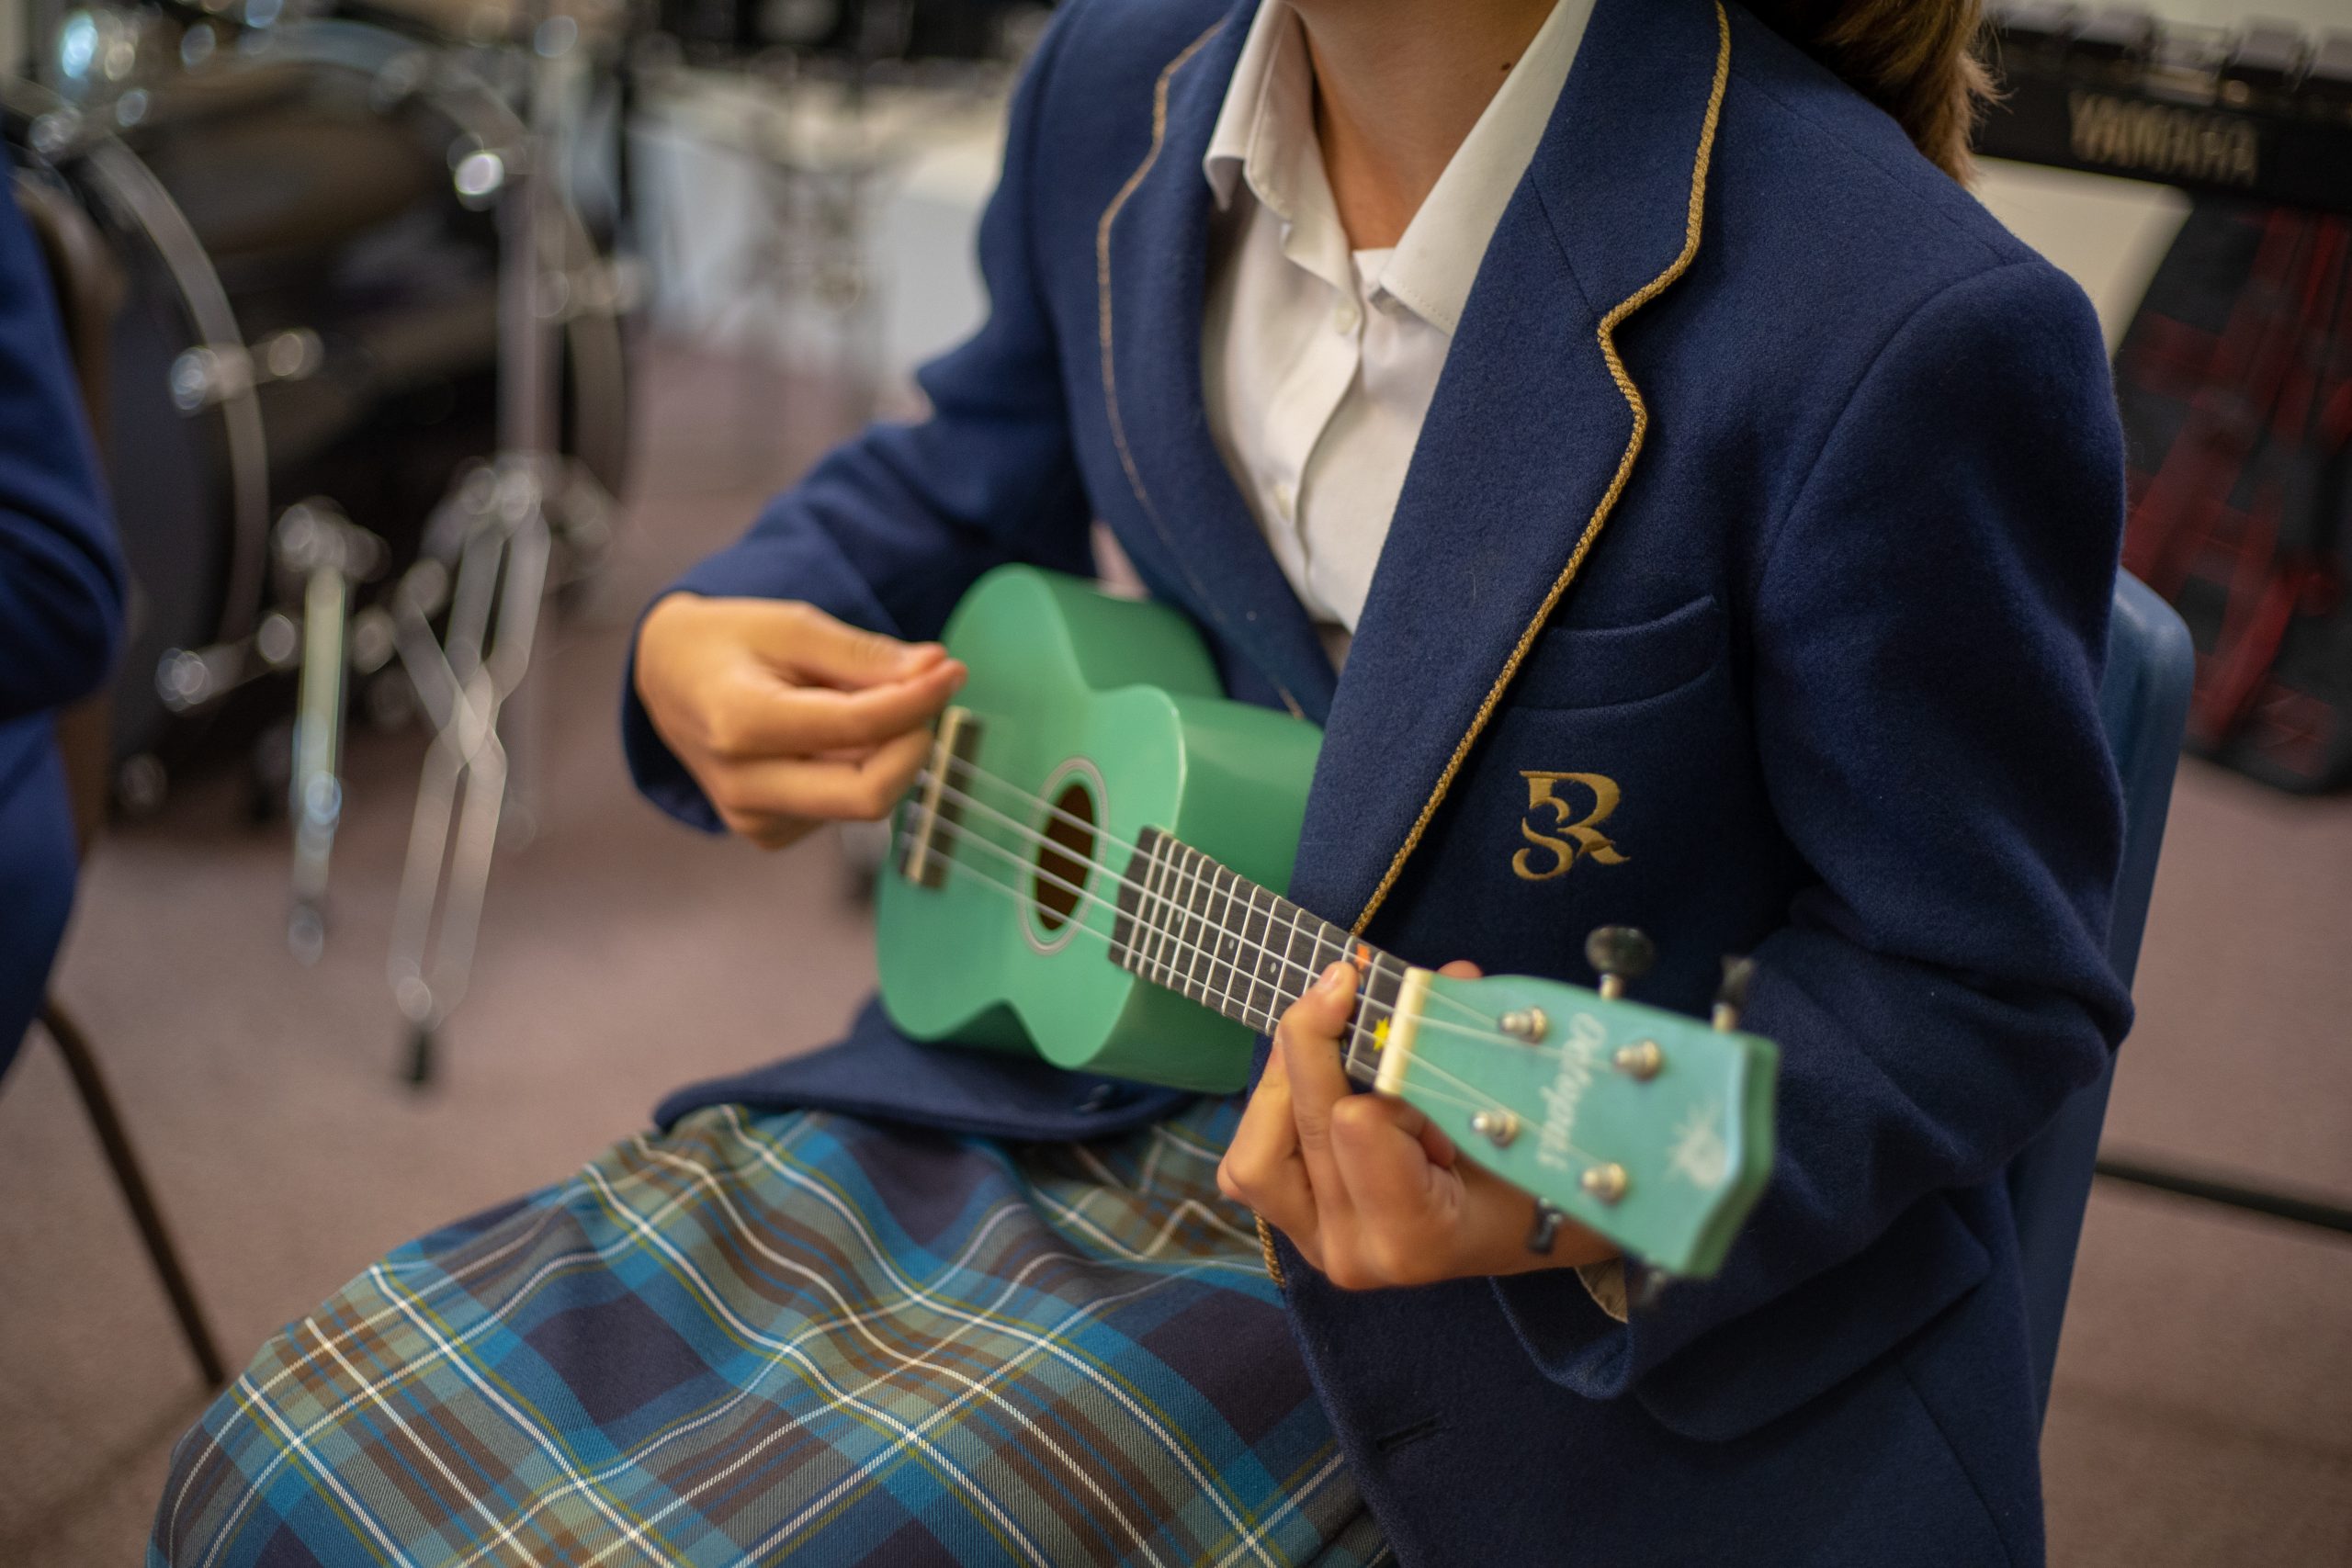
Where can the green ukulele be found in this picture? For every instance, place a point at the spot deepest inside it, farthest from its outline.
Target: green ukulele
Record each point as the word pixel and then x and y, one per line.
pixel 1089 869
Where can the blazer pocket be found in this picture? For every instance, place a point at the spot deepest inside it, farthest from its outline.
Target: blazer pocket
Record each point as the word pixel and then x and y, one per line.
pixel 1582 667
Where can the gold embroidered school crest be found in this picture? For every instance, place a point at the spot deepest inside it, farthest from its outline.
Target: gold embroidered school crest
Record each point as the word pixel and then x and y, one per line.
pixel 1570 836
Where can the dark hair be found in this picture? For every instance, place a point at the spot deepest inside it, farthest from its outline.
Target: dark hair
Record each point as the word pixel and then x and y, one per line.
pixel 1914 59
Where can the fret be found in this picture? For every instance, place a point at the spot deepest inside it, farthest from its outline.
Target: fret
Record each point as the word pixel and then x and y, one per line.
pixel 1196 956
pixel 1256 995
pixel 1375 1006
pixel 1330 946
pixel 1172 957
pixel 1301 968
pixel 1163 968
pixel 1199 929
pixel 1131 922
pixel 1355 1039
pixel 1219 937
pixel 1240 973
pixel 1170 917
pixel 1280 936
pixel 1364 1026
pixel 1155 928
pixel 1165 948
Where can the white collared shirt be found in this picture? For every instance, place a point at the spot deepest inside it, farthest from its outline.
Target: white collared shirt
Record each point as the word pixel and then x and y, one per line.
pixel 1318 363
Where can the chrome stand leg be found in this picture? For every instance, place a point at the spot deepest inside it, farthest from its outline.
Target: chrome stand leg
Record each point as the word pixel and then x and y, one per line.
pixel 329 553
pixel 505 538
pixel 463 681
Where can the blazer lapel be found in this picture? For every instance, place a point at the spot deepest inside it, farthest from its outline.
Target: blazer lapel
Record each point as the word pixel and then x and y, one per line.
pixel 1190 531
pixel 1534 431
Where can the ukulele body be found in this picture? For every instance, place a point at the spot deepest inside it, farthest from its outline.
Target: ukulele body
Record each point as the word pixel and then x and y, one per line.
pixel 1109 711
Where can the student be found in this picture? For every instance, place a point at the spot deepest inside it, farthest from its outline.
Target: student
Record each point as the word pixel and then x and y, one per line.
pixel 60 614
pixel 1682 457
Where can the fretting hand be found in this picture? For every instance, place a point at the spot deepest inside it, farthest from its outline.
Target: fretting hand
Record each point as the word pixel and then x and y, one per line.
pixel 786 716
pixel 1364 1185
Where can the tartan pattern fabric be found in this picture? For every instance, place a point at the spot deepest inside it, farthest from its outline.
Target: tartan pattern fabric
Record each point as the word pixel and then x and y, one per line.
pixel 2234 384
pixel 801 1335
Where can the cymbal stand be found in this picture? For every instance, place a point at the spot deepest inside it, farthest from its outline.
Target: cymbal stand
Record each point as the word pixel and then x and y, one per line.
pixel 477 678
pixel 327 553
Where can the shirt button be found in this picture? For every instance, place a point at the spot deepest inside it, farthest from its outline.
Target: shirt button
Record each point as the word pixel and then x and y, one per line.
pixel 1286 501
pixel 1344 316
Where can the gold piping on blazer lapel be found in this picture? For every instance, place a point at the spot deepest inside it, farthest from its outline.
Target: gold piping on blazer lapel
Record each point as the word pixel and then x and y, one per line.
pixel 1103 272
pixel 1103 326
pixel 1632 396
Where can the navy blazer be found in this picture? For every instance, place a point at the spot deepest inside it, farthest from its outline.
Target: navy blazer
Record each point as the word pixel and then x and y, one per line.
pixel 1773 484
pixel 60 614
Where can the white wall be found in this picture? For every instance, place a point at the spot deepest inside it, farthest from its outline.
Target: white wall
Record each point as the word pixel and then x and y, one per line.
pixel 710 226
pixel 2107 233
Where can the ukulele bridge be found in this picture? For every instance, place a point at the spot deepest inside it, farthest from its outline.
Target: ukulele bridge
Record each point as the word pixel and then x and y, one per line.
pixel 924 842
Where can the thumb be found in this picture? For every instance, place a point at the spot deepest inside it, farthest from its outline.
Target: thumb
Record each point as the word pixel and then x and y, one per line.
pixel 818 649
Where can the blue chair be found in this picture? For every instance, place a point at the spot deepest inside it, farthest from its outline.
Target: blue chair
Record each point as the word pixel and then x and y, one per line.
pixel 2144 705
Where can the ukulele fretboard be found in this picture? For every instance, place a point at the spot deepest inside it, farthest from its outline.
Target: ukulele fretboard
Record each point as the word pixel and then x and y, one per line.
pixel 1204 932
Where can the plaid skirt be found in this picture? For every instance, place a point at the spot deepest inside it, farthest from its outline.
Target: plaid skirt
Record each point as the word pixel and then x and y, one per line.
pixel 796 1334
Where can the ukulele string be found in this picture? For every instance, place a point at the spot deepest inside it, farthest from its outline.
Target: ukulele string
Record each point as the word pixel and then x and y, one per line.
pixel 1167 938
pixel 974 772
pixel 1466 1096
pixel 1484 1033
pixel 1484 1029
pixel 1166 903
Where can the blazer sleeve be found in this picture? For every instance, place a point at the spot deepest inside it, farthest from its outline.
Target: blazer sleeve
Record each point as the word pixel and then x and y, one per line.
pixel 1926 631
pixel 61 581
pixel 888 530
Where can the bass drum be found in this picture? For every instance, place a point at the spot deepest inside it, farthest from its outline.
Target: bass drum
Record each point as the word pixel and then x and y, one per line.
pixel 310 258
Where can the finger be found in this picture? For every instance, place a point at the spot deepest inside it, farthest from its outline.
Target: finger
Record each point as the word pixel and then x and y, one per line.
pixel 1404 1206
pixel 1461 969
pixel 759 718
pixel 1308 1040
pixel 864 790
pixel 1262 1167
pixel 805 644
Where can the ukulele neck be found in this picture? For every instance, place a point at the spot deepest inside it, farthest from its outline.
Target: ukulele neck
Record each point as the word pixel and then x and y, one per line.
pixel 1196 928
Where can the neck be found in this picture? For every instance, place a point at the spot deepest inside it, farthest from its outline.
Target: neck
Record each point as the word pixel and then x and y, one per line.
pixel 1398 84
pixel 1200 929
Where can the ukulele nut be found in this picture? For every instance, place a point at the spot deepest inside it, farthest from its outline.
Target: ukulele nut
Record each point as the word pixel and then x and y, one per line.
pixel 1498 1127
pixel 1642 1060
pixel 1526 1024
pixel 1606 1182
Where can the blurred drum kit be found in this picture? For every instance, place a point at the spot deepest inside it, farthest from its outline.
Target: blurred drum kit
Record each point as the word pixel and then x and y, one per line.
pixel 306 218
pixel 366 396
pixel 365 390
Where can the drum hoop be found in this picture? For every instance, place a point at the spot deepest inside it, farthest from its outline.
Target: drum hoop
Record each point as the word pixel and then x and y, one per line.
pixel 468 100
pixel 471 101
pixel 464 95
pixel 130 179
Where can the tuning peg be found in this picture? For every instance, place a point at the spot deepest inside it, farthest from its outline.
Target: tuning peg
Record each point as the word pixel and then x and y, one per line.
pixel 1619 953
pixel 1731 997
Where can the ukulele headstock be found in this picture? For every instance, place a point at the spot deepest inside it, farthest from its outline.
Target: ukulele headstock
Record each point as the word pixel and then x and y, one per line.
pixel 1651 1128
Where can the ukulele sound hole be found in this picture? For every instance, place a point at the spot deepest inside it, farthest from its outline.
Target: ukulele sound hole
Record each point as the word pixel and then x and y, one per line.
pixel 1063 858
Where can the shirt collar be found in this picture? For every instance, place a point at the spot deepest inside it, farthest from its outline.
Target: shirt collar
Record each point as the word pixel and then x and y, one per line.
pixel 1268 117
pixel 1265 136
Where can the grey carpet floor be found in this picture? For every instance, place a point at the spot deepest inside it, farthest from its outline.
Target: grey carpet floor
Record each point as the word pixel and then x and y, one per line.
pixel 2203 1407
